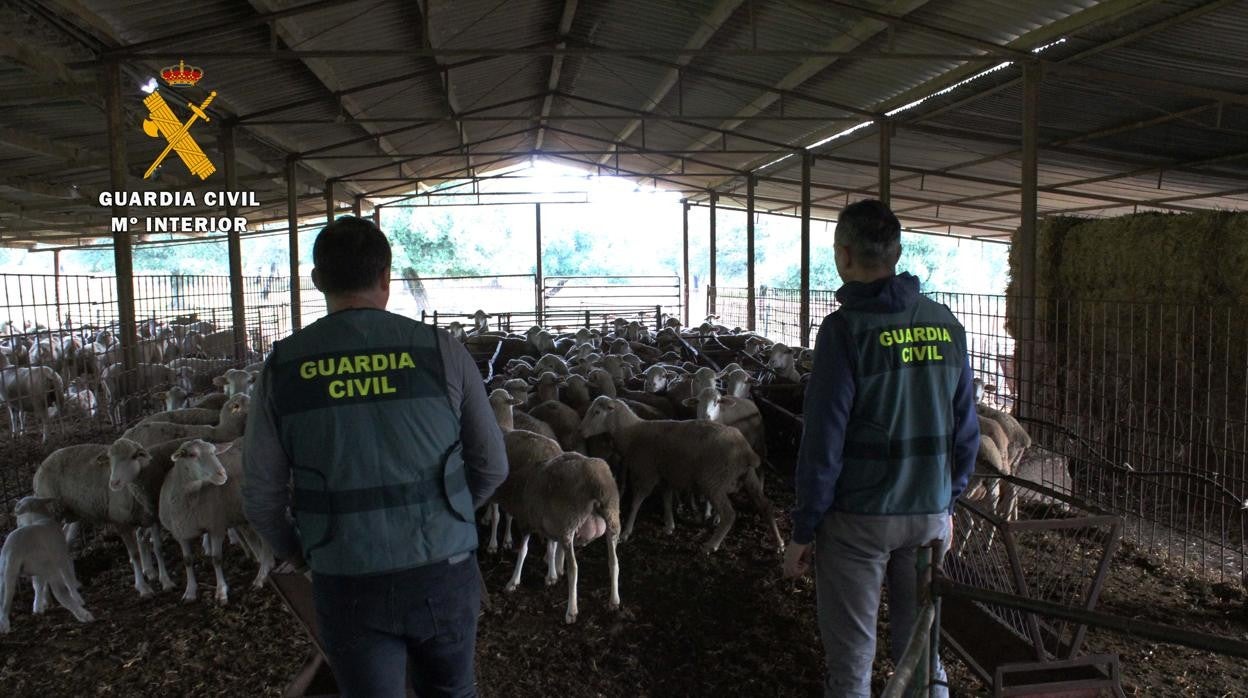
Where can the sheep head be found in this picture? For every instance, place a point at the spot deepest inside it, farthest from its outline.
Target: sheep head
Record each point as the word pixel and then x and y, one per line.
pixel 126 460
pixel 603 416
pixel 200 459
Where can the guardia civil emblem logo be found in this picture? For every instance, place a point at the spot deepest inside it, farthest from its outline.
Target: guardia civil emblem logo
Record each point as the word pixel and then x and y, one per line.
pixel 163 123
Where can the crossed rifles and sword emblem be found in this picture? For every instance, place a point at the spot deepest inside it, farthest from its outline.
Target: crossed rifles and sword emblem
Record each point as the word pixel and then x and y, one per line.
pixel 164 123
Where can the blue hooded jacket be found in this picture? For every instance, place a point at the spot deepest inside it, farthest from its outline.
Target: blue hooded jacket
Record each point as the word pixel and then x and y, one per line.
pixel 830 396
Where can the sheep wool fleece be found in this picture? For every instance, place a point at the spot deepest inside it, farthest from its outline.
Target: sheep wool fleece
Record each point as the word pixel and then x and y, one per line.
pixel 379 477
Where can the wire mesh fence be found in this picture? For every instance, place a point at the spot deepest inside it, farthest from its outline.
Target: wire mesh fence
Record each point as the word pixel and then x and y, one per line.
pixel 1137 408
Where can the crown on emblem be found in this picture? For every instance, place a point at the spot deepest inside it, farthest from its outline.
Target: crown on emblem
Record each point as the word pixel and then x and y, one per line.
pixel 181 74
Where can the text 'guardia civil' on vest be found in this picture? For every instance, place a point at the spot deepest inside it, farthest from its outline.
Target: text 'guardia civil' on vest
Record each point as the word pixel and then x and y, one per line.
pixel 352 365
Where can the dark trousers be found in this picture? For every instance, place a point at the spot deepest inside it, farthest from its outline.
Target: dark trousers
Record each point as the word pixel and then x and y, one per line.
pixel 373 628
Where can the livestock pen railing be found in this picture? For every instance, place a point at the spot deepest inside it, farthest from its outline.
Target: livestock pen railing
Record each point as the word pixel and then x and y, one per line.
pixel 1140 409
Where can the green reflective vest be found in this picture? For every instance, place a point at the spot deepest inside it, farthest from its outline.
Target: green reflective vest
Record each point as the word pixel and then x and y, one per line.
pixel 898 455
pixel 363 413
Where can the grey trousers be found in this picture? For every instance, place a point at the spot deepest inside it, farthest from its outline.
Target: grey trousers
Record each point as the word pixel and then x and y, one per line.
pixel 853 553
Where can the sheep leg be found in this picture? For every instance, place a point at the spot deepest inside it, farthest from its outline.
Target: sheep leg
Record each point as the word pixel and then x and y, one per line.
pixel 131 540
pixel 754 488
pixel 508 541
pixel 145 555
pixel 566 547
pixel 669 521
pixel 192 586
pixel 217 541
pixel 640 492
pixel 613 568
pixel 552 556
pixel 70 600
pixel 166 582
pixel 494 517
pixel 261 552
pixel 727 515
pixel 515 576
pixel 8 587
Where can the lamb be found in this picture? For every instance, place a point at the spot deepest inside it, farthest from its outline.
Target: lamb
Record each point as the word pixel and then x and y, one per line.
pixel 80 400
pixel 545 389
pixel 233 419
pixel 783 362
pixel 201 495
pixel 738 413
pixel 988 488
pixel 553 363
pixel 77 477
pixel 707 457
pixel 737 383
pixel 176 398
pixel 36 548
pixel 569 499
pixel 119 386
pixel 211 401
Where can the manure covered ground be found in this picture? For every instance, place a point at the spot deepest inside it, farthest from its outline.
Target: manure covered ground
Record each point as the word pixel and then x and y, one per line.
pixel 691 625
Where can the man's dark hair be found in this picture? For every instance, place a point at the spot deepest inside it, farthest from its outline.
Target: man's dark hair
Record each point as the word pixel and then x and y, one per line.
pixel 871 231
pixel 350 254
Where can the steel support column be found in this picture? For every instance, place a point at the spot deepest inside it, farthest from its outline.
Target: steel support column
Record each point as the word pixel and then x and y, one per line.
pixel 329 201
pixel 803 315
pixel 377 216
pixel 238 310
pixel 685 257
pixel 537 222
pixel 712 286
pixel 358 206
pixel 750 301
pixel 1025 240
pixel 123 263
pixel 886 161
pixel 292 221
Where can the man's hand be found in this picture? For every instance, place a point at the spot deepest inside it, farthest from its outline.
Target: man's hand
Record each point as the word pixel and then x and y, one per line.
pixel 797 559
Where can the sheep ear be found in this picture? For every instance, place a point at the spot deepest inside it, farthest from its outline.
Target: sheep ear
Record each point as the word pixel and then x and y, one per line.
pixel 102 459
pixel 222 448
pixel 142 453
pixel 219 381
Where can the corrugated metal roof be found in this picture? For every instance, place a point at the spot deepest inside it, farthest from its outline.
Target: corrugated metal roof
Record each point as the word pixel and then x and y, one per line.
pixel 1107 144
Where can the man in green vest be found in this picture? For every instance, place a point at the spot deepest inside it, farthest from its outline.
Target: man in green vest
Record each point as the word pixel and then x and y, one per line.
pixel 888 445
pixel 375 432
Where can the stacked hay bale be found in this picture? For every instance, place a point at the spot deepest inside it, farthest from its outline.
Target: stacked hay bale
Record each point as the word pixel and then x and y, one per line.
pixel 1140 327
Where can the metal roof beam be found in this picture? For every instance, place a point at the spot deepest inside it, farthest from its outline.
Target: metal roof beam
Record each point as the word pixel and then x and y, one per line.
pixel 556 69
pixel 809 68
pixel 293 35
pixel 630 150
pixel 497 52
pixel 425 8
pixel 721 13
pixel 438 175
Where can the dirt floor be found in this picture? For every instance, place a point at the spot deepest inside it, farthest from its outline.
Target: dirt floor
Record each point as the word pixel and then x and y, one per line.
pixel 692 625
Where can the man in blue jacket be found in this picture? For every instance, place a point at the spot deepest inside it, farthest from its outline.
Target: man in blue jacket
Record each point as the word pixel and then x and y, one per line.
pixel 374 430
pixel 889 443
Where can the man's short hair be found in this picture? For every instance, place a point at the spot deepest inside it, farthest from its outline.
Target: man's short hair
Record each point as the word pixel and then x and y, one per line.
pixel 871 231
pixel 350 254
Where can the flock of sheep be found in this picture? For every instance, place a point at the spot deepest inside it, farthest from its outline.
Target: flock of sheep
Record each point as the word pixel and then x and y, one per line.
pixel 585 415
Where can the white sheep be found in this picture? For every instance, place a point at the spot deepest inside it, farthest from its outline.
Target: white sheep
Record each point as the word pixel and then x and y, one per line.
pixel 202 494
pixel 191 415
pixel 739 413
pixel 30 390
pixel 37 549
pixel 570 499
pixel 707 458
pixel 737 383
pixel 553 363
pixel 524 451
pixel 176 398
pixel 233 420
pixel 77 477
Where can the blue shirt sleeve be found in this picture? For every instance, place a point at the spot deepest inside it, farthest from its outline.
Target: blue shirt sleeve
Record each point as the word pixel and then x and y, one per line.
pixel 829 400
pixel 965 432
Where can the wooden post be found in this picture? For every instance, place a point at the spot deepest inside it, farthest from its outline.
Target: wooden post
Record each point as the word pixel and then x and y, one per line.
pixel 292 221
pixel 358 206
pixel 684 203
pixel 56 277
pixel 886 160
pixel 1026 242
pixel 712 286
pixel 803 315
pixel 377 215
pixel 540 300
pixel 750 301
pixel 234 242
pixel 123 263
